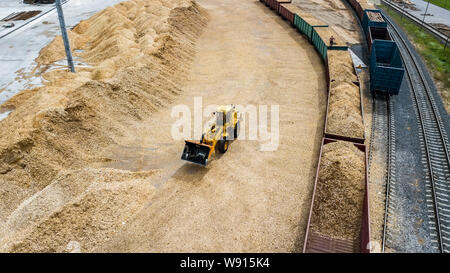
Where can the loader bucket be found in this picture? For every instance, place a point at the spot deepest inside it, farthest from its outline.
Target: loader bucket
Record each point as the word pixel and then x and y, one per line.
pixel 196 152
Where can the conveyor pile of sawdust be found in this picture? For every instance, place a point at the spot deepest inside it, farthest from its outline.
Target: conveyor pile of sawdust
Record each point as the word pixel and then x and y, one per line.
pixel 340 192
pixel 138 52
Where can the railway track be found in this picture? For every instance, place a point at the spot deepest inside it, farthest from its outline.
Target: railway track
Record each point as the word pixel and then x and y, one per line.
pixel 382 119
pixel 434 146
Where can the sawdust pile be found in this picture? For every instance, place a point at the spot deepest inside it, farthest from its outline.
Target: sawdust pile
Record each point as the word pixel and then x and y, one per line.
pixel 374 16
pixel 340 192
pixel 344 115
pixel 86 207
pixel 340 66
pixel 443 28
pixel 310 19
pixel 55 50
pixel 344 105
pixel 138 52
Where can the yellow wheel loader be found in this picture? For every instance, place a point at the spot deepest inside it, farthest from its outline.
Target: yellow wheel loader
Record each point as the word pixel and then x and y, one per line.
pixel 218 135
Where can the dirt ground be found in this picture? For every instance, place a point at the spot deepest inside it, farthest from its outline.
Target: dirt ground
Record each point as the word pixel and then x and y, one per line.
pixel 246 200
pixel 124 187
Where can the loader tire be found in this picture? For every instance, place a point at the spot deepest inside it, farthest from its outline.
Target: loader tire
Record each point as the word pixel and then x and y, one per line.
pixel 236 130
pixel 222 145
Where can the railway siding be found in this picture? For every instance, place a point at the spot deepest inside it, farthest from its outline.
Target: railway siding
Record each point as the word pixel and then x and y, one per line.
pixel 434 146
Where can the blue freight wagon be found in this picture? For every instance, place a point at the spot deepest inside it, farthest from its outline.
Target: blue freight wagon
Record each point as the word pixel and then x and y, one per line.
pixel 386 67
pixel 372 18
pixel 377 33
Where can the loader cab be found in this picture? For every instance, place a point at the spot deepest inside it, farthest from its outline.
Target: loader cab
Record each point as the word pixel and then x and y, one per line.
pixel 219 118
pixel 224 115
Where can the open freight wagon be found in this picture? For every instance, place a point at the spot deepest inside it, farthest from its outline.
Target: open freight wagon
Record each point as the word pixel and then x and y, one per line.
pixel 386 67
pixel 357 7
pixel 372 18
pixel 305 25
pixel 349 114
pixel 360 6
pixel 374 27
pixel 316 242
pixel 320 39
pixel 275 4
pixel 377 33
pixel 318 33
pixel 288 12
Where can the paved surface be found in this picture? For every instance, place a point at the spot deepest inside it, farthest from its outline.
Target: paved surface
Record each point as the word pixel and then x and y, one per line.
pixel 8 7
pixel 18 51
pixel 438 14
pixel 246 200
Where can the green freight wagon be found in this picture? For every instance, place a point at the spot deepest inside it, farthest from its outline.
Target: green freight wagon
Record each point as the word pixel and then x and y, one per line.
pixel 305 23
pixel 319 44
pixel 320 38
pixel 318 33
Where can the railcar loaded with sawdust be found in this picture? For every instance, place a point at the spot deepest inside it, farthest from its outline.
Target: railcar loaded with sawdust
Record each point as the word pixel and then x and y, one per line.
pixel 339 217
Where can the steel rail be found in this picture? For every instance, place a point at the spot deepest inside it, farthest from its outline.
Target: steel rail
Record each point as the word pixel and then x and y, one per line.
pixel 382 117
pixel 388 175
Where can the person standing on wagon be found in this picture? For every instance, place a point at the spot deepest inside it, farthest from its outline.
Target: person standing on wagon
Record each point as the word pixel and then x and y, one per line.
pixel 331 40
